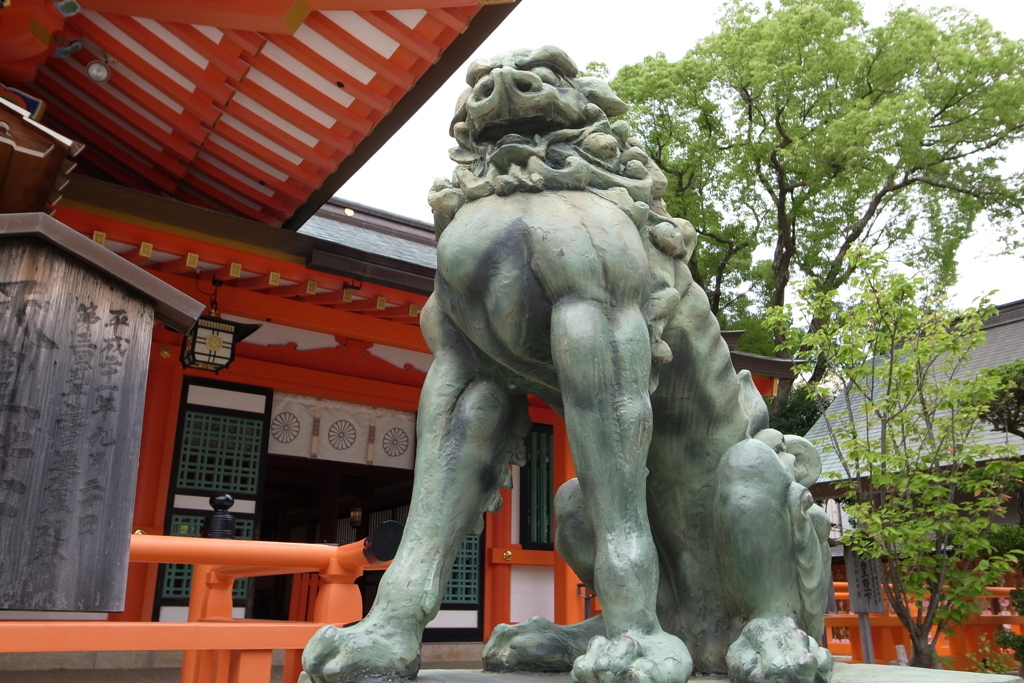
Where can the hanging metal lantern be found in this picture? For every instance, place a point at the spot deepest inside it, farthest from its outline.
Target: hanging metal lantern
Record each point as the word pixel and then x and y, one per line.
pixel 210 345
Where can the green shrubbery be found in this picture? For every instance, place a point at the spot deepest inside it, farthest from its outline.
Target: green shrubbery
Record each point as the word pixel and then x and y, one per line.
pixel 1008 639
pixel 1006 537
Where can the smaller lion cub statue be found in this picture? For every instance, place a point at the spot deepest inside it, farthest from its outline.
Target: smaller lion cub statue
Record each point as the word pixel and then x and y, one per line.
pixel 561 274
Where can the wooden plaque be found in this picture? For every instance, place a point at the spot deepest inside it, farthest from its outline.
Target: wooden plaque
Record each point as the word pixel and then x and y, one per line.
pixel 74 355
pixel 865 578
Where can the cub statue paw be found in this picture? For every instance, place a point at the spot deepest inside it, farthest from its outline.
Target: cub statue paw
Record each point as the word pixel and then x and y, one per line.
pixel 777 650
pixel 539 645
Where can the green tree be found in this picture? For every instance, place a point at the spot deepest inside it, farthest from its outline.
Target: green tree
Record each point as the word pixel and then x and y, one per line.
pixel 923 489
pixel 1006 412
pixel 800 410
pixel 800 129
pixel 757 338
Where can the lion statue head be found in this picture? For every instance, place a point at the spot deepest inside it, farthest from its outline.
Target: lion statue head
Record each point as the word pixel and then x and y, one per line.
pixel 525 92
pixel 528 122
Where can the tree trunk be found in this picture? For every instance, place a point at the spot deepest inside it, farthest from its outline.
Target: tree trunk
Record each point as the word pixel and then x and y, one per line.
pixel 924 652
pixel 780 398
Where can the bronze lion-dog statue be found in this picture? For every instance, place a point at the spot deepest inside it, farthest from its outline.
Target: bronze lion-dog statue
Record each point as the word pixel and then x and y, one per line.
pixel 561 274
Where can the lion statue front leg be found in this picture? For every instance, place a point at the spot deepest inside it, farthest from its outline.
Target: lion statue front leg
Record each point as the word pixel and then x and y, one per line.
pixel 470 429
pixel 601 350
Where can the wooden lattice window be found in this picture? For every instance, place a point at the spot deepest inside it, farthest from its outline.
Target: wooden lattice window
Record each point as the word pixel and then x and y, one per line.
pixel 220 453
pixel 464 584
pixel 537 490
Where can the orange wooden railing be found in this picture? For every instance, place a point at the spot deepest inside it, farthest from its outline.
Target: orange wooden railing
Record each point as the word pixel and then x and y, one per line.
pixel 218 648
pixel 843 636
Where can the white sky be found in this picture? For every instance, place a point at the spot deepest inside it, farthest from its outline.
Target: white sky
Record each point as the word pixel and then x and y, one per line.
pixel 620 32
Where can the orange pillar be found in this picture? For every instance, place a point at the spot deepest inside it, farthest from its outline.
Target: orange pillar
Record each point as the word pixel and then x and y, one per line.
pixel 568 607
pixel 210 598
pixel 338 601
pixel 497 577
pixel 250 666
pixel 163 390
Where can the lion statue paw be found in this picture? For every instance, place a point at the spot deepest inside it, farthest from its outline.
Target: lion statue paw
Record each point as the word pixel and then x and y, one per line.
pixel 652 658
pixel 359 654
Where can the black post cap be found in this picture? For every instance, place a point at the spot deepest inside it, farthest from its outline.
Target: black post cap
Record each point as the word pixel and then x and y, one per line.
pixel 382 544
pixel 220 523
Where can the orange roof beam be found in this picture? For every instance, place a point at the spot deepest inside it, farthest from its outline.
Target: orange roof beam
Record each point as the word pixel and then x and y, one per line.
pixel 397 31
pixel 224 57
pixel 331 72
pixel 407 312
pixel 294 313
pixel 266 16
pixel 382 66
pixel 171 142
pixel 75 106
pixel 373 303
pixel 290 185
pixel 362 5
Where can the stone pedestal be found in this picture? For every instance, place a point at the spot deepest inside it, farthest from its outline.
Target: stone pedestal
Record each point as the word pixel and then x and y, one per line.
pixel 844 673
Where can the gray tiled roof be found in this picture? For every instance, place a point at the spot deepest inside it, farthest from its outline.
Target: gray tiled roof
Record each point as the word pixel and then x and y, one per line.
pixel 1004 343
pixel 370 241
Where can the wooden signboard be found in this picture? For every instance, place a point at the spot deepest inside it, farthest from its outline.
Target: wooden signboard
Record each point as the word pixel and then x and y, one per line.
pixel 74 354
pixel 865 583
pixel 864 578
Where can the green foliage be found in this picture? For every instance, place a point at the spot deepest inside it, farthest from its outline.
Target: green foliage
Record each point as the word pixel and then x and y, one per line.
pixel 1008 639
pixel 923 490
pixel 1006 411
pixel 1006 538
pixel 799 128
pixel 799 411
pixel 757 337
pixel 595 69
pixel 989 659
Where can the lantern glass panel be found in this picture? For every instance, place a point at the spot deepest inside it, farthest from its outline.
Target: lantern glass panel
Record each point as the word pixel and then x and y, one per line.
pixel 210 345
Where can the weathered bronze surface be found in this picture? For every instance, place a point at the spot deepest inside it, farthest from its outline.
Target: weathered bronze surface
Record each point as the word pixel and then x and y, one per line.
pixel 561 274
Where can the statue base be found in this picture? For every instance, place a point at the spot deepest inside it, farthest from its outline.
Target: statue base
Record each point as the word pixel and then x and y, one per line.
pixel 844 673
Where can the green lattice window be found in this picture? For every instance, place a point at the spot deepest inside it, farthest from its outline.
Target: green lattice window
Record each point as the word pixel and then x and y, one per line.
pixel 178 577
pixel 537 490
pixel 220 453
pixel 464 584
